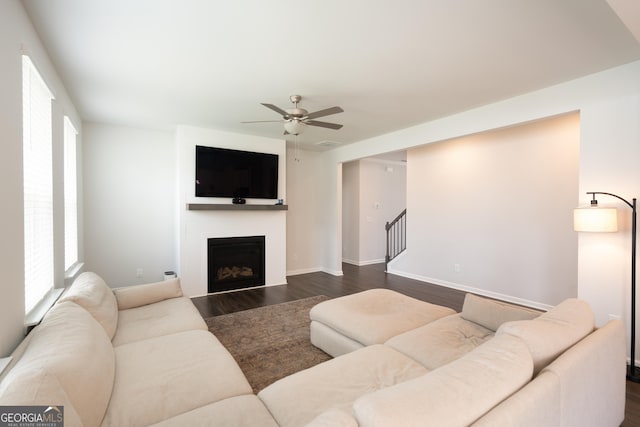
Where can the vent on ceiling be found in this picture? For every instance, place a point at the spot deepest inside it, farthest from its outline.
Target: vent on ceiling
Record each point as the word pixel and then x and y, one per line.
pixel 327 143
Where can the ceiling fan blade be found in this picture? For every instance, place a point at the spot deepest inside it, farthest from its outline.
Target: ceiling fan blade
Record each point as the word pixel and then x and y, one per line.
pixel 325 112
pixel 263 121
pixel 276 109
pixel 323 124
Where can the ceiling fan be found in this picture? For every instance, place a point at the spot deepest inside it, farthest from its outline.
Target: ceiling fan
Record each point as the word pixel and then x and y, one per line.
pixel 297 119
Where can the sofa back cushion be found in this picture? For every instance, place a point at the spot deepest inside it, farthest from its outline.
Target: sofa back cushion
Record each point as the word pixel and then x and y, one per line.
pixel 92 293
pixel 491 313
pixel 137 296
pixel 455 394
pixel 69 361
pixel 553 332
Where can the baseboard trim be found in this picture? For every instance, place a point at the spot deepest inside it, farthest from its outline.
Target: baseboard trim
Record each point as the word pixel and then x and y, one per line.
pixel 363 263
pixel 333 272
pixel 477 291
pixel 315 270
pixel 303 271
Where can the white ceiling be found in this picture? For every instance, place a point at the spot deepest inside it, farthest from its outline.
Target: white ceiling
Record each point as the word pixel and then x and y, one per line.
pixel 390 64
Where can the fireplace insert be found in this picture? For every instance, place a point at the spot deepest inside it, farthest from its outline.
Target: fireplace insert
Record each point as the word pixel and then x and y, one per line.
pixel 235 263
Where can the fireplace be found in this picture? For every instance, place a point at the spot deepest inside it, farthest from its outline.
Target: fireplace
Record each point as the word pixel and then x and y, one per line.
pixel 235 263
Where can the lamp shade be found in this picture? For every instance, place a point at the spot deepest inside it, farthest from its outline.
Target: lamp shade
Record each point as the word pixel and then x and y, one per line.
pixel 595 219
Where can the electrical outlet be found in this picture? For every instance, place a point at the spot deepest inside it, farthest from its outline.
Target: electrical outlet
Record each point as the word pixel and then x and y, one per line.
pixel 139 272
pixel 457 268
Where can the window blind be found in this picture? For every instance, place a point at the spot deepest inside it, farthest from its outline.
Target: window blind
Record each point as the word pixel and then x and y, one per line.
pixel 38 185
pixel 70 196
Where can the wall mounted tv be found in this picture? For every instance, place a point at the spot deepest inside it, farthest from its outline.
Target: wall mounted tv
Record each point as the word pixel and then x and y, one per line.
pixel 221 172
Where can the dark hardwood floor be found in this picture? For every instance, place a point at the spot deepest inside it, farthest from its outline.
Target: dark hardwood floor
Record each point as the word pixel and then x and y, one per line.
pixel 357 279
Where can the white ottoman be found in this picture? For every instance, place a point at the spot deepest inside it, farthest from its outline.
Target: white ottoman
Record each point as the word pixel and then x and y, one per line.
pixel 345 324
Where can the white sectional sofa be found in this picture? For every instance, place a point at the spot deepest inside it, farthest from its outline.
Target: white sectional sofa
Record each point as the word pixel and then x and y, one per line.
pixel 131 356
pixel 142 356
pixel 485 366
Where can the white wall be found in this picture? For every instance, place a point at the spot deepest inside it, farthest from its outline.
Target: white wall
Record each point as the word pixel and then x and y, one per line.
pixel 492 213
pixel 609 157
pixel 130 198
pixel 609 106
pixel 351 212
pixel 17 36
pixel 304 218
pixel 373 193
pixel 383 191
pixel 195 227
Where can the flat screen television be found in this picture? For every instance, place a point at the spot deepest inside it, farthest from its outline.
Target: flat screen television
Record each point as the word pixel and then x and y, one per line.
pixel 222 172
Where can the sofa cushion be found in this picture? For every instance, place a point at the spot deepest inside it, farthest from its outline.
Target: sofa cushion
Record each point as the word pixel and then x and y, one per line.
pixel 553 332
pixel 335 384
pixel 334 418
pixel 139 295
pixel 41 388
pixel 534 405
pixel 239 411
pixel 92 293
pixel 441 341
pixel 69 361
pixel 455 394
pixel 491 313
pixel 161 377
pixel 374 316
pixel 153 320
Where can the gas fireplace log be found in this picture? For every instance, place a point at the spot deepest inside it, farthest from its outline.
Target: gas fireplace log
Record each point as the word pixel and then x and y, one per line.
pixel 234 272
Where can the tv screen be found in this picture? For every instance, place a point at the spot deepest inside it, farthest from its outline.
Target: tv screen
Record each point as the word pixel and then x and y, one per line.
pixel 221 172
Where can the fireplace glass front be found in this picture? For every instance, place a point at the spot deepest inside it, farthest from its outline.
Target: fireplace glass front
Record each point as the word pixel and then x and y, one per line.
pixel 235 263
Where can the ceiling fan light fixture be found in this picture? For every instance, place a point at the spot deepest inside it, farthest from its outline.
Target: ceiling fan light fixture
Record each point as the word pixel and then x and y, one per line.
pixel 297 119
pixel 294 127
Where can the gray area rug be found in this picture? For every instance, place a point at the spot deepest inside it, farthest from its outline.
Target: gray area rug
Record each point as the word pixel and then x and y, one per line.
pixel 270 342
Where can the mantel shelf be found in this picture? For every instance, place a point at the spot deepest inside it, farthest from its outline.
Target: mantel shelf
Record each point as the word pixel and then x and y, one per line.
pixel 231 207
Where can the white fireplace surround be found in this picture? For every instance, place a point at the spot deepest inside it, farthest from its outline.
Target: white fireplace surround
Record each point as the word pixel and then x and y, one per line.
pixel 195 227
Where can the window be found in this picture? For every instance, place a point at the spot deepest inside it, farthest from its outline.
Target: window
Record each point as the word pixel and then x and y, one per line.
pixel 70 196
pixel 38 185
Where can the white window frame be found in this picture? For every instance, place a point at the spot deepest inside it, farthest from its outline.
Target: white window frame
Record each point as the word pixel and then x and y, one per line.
pixel 38 186
pixel 70 196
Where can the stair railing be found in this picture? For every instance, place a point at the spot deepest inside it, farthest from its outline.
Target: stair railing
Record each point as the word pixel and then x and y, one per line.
pixel 396 237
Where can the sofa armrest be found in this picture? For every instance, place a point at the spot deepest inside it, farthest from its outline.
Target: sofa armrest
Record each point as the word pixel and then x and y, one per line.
pixel 139 295
pixel 585 386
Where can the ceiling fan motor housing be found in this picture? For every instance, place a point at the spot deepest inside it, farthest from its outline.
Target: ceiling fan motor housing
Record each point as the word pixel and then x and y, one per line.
pixel 297 112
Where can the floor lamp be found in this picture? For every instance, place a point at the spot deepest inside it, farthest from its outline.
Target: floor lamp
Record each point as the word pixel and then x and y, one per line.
pixel 596 219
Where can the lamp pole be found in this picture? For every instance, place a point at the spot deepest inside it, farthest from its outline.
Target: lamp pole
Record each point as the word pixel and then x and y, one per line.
pixel 632 375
